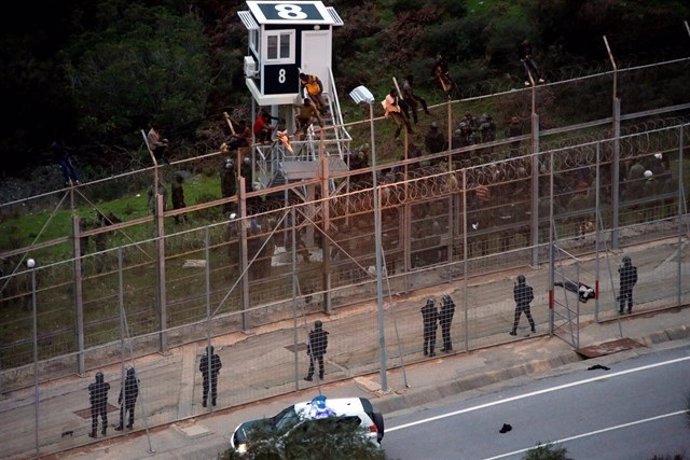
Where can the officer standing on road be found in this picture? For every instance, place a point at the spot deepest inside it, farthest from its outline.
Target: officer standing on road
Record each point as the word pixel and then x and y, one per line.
pixel 316 348
pixel 98 397
pixel 131 391
pixel 445 318
pixel 628 279
pixel 430 319
pixel 210 374
pixel 523 295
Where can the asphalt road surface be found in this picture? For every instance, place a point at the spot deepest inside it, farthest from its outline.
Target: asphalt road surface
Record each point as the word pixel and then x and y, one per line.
pixel 635 410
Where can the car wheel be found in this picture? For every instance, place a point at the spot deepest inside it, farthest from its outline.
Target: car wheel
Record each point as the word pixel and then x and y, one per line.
pixel 377 418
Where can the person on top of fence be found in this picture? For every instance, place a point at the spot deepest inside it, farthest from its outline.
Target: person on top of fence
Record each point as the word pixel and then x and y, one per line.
pixel 209 374
pixel 98 397
pixel 316 348
pixel 628 279
pixel 525 53
pixel 128 398
pixel 392 108
pixel 523 295
pixel 305 116
pixel 413 101
pixel 440 73
pixel 63 158
pixel 430 323
pixel 157 143
pixel 312 88
pixel 263 130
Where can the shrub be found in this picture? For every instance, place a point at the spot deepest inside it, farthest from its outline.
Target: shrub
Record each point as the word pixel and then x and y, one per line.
pixel 547 452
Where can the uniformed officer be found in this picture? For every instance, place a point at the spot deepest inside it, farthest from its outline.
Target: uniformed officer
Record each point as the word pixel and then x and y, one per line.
pixel 430 319
pixel 98 397
pixel 210 374
pixel 316 348
pixel 628 279
pixel 131 392
pixel 445 318
pixel 523 295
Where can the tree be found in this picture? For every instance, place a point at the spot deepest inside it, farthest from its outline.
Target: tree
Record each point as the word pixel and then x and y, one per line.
pixel 335 438
pixel 147 64
pixel 547 452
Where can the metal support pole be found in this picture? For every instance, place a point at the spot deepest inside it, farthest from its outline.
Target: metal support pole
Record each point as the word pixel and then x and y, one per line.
pixel 681 199
pixel 35 346
pixel 535 190
pixel 465 298
pixel 597 232
pixel 552 243
pixel 615 160
pixel 295 338
pixel 207 283
pixel 78 294
pixel 379 267
pixel 121 310
pixel 243 254
pixel 160 246
pixel 326 225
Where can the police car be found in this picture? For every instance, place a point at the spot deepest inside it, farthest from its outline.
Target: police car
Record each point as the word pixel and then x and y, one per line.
pixel 334 413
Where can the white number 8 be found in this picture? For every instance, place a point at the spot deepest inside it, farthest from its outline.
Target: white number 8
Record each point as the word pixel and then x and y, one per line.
pixel 289 11
pixel 281 76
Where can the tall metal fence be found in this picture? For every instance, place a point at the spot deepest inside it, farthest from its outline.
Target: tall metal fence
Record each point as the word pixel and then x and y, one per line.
pixel 250 273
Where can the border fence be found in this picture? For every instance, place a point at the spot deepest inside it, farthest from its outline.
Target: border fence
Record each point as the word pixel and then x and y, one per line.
pixel 253 271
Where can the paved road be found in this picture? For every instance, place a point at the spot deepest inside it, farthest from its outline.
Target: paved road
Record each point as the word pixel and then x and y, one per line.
pixel 632 411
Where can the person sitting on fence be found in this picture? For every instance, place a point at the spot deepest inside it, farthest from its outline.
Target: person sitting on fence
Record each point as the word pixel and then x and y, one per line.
pixel 440 73
pixel 583 291
pixel 262 127
pixel 525 52
pixel 390 105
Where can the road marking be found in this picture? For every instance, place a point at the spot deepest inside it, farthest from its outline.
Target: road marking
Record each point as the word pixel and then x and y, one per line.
pixel 592 433
pixel 537 393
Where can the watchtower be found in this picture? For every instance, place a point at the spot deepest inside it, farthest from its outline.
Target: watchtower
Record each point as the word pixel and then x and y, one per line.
pixel 286 38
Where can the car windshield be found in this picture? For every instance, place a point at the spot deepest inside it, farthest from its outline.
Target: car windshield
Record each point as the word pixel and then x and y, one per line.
pixel 284 419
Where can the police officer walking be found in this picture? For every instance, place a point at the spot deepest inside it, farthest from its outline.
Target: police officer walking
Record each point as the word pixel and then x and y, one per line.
pixel 445 318
pixel 210 374
pixel 523 295
pixel 316 348
pixel 131 391
pixel 628 279
pixel 430 319
pixel 98 397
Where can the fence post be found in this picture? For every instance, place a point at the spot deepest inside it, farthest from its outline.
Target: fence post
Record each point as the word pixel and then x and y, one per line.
pixel 465 298
pixel 160 246
pixel 243 253
pixel 78 293
pixel 293 237
pixel 325 224
pixel 681 199
pixel 615 160
pixel 597 228
pixel 535 190
pixel 34 309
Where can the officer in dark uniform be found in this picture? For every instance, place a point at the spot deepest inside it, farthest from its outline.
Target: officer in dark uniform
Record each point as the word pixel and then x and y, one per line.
pixel 131 391
pixel 210 374
pixel 98 397
pixel 430 319
pixel 316 348
pixel 178 197
pixel 628 279
pixel 523 295
pixel 445 318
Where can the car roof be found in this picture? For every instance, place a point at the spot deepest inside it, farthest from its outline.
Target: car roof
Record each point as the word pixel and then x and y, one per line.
pixel 341 406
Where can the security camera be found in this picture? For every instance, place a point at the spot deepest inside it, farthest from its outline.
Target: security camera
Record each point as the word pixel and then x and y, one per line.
pixel 31 263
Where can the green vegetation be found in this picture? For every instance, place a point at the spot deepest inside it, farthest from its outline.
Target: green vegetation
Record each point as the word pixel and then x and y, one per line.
pixel 547 452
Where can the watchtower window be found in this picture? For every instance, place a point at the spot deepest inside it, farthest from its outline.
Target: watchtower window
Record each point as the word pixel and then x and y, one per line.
pixel 280 47
pixel 254 40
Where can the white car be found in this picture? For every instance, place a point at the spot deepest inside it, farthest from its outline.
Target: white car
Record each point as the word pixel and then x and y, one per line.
pixel 338 412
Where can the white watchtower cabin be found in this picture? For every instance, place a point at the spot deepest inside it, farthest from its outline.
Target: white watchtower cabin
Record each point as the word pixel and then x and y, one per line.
pixel 287 38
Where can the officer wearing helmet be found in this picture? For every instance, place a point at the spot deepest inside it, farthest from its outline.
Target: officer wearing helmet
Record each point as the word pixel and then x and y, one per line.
pixel 523 295
pixel 128 398
pixel 228 183
pixel 209 373
pixel 98 397
pixel 316 348
pixel 628 279
pixel 445 318
pixel 430 321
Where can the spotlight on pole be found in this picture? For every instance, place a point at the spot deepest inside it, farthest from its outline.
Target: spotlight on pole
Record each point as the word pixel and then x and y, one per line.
pixel 31 263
